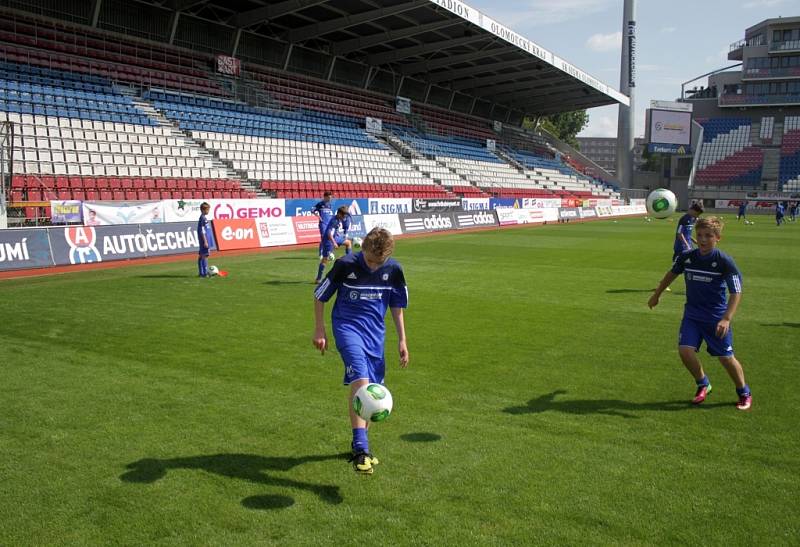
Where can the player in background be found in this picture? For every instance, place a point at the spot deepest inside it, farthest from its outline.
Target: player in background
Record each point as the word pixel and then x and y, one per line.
pixel 366 284
pixel 203 237
pixel 708 312
pixel 793 211
pixel 742 214
pixel 334 235
pixel 322 210
pixel 780 211
pixel 683 236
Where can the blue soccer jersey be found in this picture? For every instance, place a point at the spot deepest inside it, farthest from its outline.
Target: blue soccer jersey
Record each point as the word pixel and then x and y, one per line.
pixel 324 211
pixel 203 228
pixel 707 277
pixel 362 298
pixel 685 228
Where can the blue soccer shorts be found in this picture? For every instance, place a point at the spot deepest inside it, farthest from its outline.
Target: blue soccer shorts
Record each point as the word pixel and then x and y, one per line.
pixel 326 247
pixel 693 333
pixel 359 365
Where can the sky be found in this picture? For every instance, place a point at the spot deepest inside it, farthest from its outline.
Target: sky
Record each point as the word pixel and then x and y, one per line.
pixel 676 41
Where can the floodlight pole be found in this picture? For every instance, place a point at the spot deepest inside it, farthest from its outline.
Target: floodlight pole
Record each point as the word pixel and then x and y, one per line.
pixel 626 121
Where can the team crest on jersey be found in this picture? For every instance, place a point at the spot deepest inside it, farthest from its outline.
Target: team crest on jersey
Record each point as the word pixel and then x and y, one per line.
pixel 385 277
pixel 82 245
pixel 713 264
pixel 353 295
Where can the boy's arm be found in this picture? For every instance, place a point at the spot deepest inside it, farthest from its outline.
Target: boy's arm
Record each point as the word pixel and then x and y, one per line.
pixel 725 323
pixel 320 339
pixel 669 277
pixel 400 326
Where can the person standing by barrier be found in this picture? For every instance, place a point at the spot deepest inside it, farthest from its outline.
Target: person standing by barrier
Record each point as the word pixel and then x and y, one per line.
pixel 742 211
pixel 780 211
pixel 203 237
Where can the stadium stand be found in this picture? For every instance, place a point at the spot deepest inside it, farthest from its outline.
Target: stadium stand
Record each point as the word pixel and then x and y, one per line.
pixel 727 157
pixel 101 116
pixel 790 155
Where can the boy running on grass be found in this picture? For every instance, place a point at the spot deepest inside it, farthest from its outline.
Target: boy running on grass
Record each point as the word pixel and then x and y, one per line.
pixel 707 315
pixel 367 284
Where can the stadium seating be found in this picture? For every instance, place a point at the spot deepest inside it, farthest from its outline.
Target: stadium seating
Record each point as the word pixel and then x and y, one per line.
pixel 40 42
pixel 790 155
pixel 163 133
pixel 727 157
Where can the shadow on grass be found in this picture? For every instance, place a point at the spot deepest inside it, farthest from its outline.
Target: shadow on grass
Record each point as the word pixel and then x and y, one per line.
pixel 633 291
pixel 168 276
pixel 626 291
pixel 784 324
pixel 607 407
pixel 246 467
pixel 421 437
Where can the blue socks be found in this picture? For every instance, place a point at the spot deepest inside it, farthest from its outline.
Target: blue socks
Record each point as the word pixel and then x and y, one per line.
pixel 743 390
pixel 703 381
pixel 360 441
pixel 348 250
pixel 320 271
pixel 202 266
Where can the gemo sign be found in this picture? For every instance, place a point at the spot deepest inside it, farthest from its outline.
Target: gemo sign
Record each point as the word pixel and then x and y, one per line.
pixel 226 211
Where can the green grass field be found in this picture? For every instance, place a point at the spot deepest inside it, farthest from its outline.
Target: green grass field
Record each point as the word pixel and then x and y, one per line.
pixel 544 403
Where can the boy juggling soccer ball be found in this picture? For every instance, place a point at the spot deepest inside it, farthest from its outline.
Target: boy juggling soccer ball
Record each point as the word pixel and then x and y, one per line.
pixel 708 314
pixel 367 284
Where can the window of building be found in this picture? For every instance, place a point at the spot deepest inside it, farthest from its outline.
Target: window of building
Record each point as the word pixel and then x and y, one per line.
pixel 776 35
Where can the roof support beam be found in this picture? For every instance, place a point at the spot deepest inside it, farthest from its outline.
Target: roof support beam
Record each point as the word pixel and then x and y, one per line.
pixel 497 91
pixel 320 29
pixel 426 66
pixel 378 59
pixel 523 97
pixel 348 46
pixel 259 15
pixel 477 83
pixel 458 73
pixel 181 5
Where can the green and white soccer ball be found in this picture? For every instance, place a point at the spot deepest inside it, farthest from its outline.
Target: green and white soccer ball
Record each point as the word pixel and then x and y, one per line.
pixel 357 241
pixel 373 402
pixel 661 203
pixel 213 270
pixel 331 256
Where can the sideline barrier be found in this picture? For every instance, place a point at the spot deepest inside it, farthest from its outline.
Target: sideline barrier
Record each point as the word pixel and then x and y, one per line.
pixel 61 246
pixel 56 246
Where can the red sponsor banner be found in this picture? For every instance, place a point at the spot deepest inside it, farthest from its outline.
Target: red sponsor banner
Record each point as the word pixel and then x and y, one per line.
pixel 306 229
pixel 236 234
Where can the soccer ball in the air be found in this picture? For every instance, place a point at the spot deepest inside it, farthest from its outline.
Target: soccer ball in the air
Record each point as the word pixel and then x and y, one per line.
pixel 357 241
pixel 661 203
pixel 373 402
pixel 213 270
pixel 331 256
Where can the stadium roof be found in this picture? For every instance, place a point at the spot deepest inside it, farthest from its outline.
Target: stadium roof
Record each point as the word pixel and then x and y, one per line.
pixel 446 43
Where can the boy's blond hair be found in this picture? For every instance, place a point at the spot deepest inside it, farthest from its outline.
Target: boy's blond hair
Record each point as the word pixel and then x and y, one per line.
pixel 379 242
pixel 710 223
